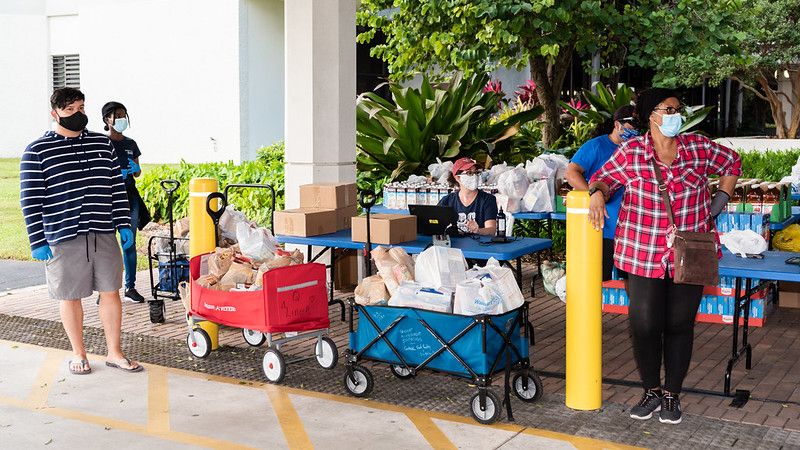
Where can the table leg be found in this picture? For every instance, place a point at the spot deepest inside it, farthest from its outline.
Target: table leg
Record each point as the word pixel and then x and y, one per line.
pixel 735 341
pixel 746 328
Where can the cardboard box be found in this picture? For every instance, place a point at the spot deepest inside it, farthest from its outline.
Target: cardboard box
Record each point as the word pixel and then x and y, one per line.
pixel 789 294
pixel 327 195
pixel 385 228
pixel 305 222
pixel 344 217
pixel 345 274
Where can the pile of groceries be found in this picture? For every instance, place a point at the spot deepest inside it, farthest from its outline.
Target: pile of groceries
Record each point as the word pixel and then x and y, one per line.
pixel 527 187
pixel 246 252
pixel 439 281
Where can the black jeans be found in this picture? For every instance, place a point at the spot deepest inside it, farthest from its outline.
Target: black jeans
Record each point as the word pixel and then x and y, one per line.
pixel 662 315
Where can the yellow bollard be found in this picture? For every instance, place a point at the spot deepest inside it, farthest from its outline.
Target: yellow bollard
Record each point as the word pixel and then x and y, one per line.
pixel 201 234
pixel 201 227
pixel 584 309
pixel 213 332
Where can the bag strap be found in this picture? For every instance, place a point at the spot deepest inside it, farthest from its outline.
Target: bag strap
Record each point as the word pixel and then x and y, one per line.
pixel 662 188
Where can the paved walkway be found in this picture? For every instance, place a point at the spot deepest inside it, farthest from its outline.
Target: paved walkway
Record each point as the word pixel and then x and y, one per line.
pixel 19 274
pixel 44 405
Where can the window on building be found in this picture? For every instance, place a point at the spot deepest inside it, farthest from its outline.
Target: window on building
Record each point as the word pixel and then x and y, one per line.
pixel 66 71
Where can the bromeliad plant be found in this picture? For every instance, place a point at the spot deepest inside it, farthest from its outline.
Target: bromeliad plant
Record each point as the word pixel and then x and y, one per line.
pixel 402 137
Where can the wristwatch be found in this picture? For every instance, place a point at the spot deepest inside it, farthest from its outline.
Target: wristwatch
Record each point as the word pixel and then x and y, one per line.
pixel 592 190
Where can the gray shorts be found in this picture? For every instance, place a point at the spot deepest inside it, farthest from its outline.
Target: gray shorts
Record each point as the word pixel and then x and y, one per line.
pixel 80 266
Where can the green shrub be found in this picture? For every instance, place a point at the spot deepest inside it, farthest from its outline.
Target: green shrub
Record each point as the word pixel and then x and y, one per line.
pixel 268 168
pixel 771 165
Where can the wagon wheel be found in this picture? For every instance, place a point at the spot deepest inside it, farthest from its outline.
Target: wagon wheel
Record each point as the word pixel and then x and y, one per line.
pixel 199 343
pixel 274 365
pixel 490 413
pixel 326 352
pixel 360 383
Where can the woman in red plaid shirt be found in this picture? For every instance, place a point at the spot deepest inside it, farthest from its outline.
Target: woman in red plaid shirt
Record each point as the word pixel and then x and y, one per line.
pixel 662 312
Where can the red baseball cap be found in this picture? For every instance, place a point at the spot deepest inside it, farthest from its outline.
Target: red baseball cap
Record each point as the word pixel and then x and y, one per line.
pixel 463 164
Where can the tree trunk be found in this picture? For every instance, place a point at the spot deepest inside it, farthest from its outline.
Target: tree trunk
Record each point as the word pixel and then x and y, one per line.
pixel 776 106
pixel 549 79
pixel 794 124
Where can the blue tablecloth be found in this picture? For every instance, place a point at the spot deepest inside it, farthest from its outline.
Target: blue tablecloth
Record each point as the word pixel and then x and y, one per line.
pixel 773 267
pixel 558 216
pixel 474 249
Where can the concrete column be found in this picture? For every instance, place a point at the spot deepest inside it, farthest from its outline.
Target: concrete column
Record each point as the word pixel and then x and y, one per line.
pixel 320 77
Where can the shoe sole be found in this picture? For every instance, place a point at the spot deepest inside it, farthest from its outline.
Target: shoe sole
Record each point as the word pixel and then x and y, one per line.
pixel 133 301
pixel 647 416
pixel 673 422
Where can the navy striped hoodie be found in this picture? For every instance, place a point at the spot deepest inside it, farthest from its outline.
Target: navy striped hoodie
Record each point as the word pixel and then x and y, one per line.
pixel 71 186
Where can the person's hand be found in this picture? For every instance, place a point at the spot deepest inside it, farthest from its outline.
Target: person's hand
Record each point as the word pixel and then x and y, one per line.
pixel 125 238
pixel 134 168
pixel 597 210
pixel 472 226
pixel 125 173
pixel 42 253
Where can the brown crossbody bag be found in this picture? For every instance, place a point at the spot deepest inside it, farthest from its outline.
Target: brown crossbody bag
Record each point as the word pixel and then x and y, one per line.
pixel 696 259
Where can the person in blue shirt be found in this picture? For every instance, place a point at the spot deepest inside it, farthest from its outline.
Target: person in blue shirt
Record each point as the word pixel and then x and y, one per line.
pixel 116 119
pixel 476 210
pixel 589 158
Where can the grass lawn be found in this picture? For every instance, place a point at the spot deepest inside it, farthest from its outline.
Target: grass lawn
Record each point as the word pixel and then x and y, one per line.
pixel 13 237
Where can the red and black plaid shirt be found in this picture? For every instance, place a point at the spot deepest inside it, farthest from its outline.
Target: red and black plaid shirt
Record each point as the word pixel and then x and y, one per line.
pixel 640 244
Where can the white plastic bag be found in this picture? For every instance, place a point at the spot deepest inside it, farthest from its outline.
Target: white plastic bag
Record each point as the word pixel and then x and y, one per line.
pixel 255 243
pixel 495 278
pixel 229 220
pixel 551 273
pixel 439 267
pixel 417 179
pixel 538 197
pixel 561 288
pixel 496 171
pixel 537 169
pixel 474 297
pixel 558 163
pixel 439 170
pixel 509 205
pixel 513 183
pixel 415 295
pixel 743 242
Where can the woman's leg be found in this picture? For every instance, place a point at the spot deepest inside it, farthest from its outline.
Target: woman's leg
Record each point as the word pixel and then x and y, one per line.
pixel 129 255
pixel 646 317
pixel 682 303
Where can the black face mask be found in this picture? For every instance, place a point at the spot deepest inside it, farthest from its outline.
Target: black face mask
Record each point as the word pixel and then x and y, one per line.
pixel 75 122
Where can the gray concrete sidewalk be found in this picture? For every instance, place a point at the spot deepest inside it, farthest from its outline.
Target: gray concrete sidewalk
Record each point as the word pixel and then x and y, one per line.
pixel 20 274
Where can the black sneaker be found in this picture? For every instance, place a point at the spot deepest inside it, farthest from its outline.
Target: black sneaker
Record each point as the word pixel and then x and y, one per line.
pixel 650 403
pixel 134 296
pixel 670 409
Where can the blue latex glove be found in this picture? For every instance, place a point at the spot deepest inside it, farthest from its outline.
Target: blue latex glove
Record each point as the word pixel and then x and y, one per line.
pixel 126 238
pixel 125 173
pixel 134 168
pixel 42 253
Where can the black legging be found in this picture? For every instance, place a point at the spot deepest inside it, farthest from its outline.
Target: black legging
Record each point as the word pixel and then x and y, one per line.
pixel 662 315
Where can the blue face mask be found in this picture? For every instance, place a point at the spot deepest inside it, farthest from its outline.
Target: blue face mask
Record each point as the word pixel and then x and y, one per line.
pixel 628 133
pixel 671 124
pixel 121 124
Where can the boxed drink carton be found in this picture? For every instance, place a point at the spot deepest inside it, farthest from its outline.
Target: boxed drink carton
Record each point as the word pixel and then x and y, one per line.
pixel 305 222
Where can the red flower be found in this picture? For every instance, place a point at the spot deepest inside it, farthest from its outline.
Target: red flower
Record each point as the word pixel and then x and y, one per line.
pixel 526 93
pixel 496 87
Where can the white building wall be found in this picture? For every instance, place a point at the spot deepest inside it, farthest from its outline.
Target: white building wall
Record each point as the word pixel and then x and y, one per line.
pixel 24 74
pixel 202 79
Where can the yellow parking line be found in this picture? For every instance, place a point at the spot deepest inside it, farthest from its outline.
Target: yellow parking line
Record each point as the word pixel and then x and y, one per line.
pixel 157 400
pixel 45 379
pixel 430 431
pixel 293 429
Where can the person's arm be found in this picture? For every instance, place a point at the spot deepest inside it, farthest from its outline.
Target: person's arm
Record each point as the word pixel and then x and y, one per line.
pixel 574 176
pixel 726 163
pixel 610 177
pixel 32 190
pixel 139 172
pixel 136 154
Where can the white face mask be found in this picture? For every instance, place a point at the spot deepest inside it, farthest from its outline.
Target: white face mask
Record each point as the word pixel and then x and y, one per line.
pixel 469 182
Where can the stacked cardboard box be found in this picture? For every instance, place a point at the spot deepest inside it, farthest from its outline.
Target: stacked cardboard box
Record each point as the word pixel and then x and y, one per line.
pixel 385 229
pixel 789 294
pixel 324 208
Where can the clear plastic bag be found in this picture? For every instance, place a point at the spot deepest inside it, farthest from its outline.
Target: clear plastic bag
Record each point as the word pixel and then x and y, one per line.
pixel 439 267
pixel 256 243
pixel 415 295
pixel 513 183
pixel 538 197
pixel 744 241
pixel 228 222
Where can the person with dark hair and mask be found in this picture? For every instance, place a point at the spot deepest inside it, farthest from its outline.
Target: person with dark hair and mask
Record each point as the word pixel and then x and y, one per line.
pixel 589 158
pixel 476 210
pixel 116 120
pixel 661 312
pixel 73 200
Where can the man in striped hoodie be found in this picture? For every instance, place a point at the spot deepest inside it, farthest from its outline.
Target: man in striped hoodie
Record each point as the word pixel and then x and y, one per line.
pixel 74 200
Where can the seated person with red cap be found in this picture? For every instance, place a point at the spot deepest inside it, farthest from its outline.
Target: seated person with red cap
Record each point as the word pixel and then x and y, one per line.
pixel 476 210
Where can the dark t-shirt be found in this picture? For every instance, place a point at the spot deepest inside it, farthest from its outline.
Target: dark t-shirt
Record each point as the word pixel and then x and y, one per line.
pixel 126 148
pixel 483 208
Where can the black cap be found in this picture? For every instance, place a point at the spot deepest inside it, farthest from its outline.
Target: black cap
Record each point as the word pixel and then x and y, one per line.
pixel 625 114
pixel 110 107
pixel 648 100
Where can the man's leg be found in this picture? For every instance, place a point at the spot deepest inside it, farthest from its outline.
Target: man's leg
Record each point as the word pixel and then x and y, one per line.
pixel 111 317
pixel 72 319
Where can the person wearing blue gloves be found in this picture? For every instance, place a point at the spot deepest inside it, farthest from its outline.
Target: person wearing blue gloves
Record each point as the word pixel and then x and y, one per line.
pixel 591 157
pixel 116 120
pixel 73 200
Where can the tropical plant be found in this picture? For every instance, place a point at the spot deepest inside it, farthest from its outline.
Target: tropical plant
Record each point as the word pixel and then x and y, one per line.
pixel 770 165
pixel 402 137
pixel 268 168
